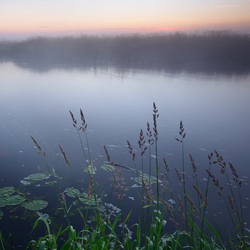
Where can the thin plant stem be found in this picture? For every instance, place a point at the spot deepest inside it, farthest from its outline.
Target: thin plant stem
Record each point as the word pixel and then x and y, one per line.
pixel 83 151
pixel 42 153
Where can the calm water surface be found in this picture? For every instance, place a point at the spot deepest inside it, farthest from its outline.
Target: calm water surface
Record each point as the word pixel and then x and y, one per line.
pixel 214 110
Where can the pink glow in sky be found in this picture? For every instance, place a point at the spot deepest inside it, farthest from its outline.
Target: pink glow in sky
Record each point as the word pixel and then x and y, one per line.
pixel 64 17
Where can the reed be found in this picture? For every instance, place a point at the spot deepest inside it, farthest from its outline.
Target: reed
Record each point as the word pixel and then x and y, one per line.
pixel 188 215
pixel 42 153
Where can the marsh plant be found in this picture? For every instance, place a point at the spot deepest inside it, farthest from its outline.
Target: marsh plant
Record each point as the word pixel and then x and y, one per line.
pixel 171 218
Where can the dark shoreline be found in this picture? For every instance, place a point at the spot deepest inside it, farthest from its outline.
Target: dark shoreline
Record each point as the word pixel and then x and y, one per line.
pixel 209 52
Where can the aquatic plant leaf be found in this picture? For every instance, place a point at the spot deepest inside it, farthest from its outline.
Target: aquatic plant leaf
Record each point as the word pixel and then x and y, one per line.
pixel 53 172
pixel 38 177
pixel 73 192
pixel 108 167
pixel 35 204
pixel 87 201
pixel 146 178
pixel 50 183
pixel 6 191
pixel 3 202
pixel 14 200
pixel 26 183
pixel 90 169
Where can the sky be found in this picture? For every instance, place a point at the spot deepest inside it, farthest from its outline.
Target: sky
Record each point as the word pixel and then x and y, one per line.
pixel 20 19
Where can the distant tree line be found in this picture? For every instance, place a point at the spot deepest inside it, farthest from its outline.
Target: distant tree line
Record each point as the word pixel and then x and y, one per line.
pixel 213 50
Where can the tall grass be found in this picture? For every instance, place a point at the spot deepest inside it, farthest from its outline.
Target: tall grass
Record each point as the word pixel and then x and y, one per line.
pixel 188 211
pixel 202 51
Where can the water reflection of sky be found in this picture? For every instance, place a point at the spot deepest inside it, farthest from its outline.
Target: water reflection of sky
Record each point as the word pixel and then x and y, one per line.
pixel 214 111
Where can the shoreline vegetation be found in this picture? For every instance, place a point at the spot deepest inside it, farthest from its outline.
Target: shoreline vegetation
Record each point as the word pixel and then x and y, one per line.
pixel 208 51
pixel 182 223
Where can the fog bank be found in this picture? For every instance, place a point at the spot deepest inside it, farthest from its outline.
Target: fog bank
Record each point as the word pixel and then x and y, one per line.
pixel 208 51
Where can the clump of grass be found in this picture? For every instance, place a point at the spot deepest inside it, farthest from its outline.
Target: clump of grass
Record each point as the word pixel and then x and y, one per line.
pixel 188 214
pixel 188 217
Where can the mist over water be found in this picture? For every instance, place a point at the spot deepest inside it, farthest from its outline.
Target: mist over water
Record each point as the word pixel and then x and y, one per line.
pixel 36 95
pixel 223 52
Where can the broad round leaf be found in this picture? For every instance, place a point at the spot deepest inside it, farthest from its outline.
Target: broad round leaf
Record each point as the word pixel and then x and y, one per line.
pixel 26 183
pixel 87 200
pixel 37 177
pixel 90 169
pixel 6 191
pixel 35 204
pixel 73 192
pixel 108 167
pixel 147 179
pixel 3 201
pixel 14 200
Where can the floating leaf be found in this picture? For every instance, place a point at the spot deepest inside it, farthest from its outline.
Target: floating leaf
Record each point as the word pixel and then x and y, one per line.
pixel 90 169
pixel 108 167
pixel 3 201
pixel 26 183
pixel 50 183
pixel 146 178
pixel 53 172
pixel 38 177
pixel 6 191
pixel 87 201
pixel 35 204
pixel 14 200
pixel 73 192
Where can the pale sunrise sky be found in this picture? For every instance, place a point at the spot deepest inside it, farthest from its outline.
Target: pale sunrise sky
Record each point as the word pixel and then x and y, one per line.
pixel 75 17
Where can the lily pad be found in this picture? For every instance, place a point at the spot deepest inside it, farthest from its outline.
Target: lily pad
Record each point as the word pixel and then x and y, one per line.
pixel 14 200
pixel 37 177
pixel 26 183
pixel 3 201
pixel 146 178
pixel 108 167
pixel 53 172
pixel 90 169
pixel 35 204
pixel 6 191
pixel 87 200
pixel 73 192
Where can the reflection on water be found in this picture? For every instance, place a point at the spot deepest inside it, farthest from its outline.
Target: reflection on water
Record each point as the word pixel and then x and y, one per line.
pixel 214 111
